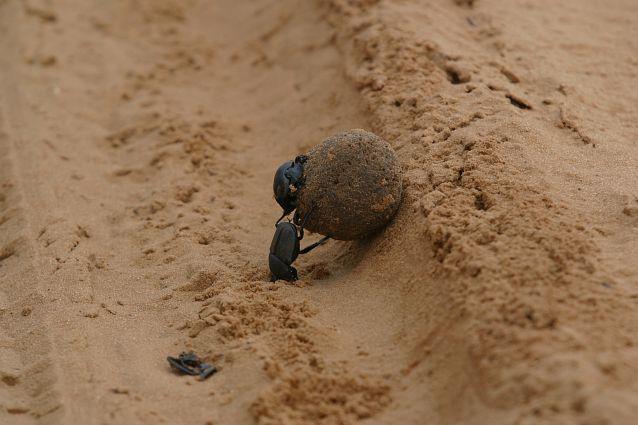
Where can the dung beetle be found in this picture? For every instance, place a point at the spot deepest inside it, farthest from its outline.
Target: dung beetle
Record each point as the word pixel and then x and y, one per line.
pixel 284 250
pixel 288 180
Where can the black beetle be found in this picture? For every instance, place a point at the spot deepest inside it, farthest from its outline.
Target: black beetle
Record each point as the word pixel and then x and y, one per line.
pixel 288 180
pixel 284 250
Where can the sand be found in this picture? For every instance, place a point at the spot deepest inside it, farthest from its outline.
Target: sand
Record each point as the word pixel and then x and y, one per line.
pixel 137 146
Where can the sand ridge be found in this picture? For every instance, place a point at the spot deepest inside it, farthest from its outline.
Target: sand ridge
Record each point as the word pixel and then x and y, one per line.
pixel 519 264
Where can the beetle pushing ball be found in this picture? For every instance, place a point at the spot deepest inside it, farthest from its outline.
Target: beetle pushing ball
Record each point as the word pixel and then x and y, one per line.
pixel 284 250
pixel 346 188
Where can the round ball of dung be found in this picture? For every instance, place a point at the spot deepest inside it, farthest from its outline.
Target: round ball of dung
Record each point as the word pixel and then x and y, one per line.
pixel 352 186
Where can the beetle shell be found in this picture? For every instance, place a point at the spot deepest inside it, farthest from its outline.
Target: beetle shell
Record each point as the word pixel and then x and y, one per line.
pixel 284 250
pixel 288 178
pixel 285 243
pixel 281 185
pixel 352 186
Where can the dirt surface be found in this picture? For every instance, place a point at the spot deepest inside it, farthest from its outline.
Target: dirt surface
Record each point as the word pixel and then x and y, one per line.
pixel 352 186
pixel 138 140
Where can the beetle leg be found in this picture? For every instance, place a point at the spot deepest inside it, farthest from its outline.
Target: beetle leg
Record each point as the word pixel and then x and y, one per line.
pixel 293 274
pixel 303 222
pixel 314 245
pixel 307 216
pixel 281 270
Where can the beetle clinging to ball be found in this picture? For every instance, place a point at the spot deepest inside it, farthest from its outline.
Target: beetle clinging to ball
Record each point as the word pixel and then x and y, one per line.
pixel 345 188
pixel 288 180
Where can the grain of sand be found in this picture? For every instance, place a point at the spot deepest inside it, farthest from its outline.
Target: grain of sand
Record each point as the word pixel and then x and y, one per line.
pixel 137 145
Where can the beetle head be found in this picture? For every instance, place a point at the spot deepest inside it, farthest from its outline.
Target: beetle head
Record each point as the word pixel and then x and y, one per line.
pixel 287 180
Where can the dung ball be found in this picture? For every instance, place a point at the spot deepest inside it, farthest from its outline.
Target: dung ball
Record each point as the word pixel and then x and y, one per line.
pixel 352 186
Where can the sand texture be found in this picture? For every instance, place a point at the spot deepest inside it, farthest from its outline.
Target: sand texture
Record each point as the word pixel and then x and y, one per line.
pixel 352 186
pixel 138 140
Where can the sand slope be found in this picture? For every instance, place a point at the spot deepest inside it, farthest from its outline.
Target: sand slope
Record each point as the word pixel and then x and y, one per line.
pixel 137 146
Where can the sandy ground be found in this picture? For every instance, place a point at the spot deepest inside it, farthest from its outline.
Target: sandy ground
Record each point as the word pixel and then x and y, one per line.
pixel 138 140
